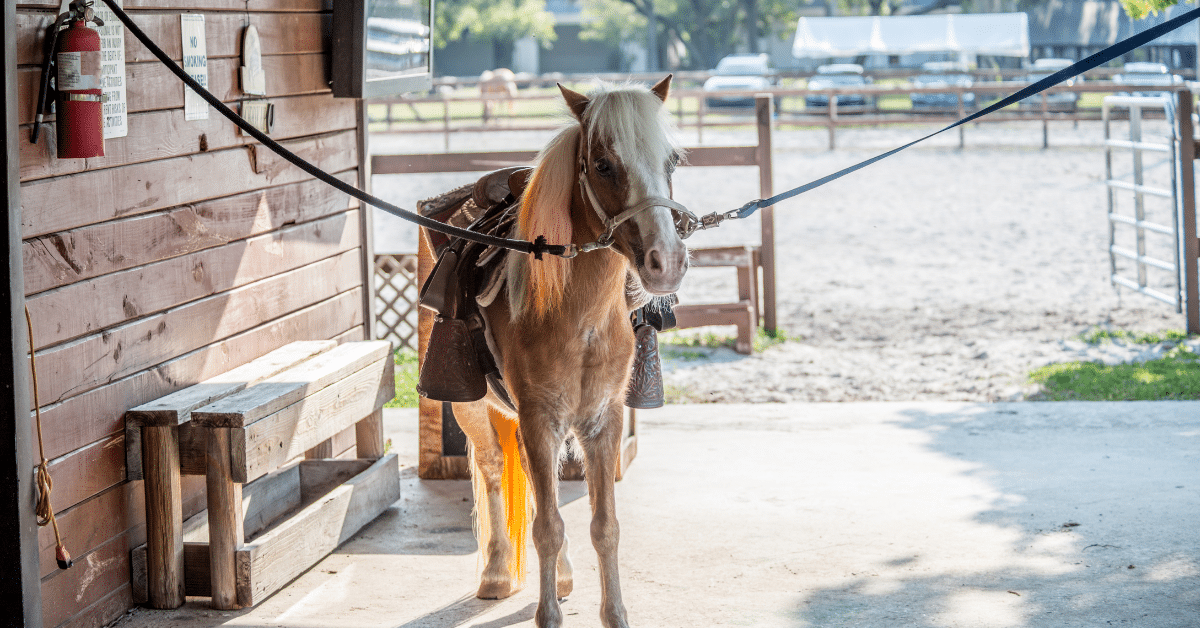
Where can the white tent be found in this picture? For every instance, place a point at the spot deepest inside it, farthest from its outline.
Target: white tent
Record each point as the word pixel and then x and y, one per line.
pixel 1001 34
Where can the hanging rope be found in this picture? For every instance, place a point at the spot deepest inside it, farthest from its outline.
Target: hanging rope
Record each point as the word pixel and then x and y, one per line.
pixel 45 484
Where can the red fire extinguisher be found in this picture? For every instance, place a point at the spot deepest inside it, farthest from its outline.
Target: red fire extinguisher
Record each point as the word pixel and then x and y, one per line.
pixel 80 99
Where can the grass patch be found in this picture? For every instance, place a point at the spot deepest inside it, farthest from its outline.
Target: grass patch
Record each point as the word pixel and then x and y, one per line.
pixel 684 345
pixel 1098 335
pixel 406 380
pixel 1175 376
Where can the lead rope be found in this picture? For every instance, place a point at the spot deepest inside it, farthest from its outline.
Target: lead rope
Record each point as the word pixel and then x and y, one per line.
pixel 45 484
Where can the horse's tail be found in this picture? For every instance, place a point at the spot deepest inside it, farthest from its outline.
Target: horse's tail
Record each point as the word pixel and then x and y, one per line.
pixel 515 488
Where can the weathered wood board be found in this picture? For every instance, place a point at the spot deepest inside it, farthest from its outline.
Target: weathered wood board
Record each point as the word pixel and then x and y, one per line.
pixel 176 408
pixel 65 258
pixel 273 440
pixel 165 133
pixel 169 183
pixel 281 553
pixel 117 297
pixel 154 339
pixel 278 33
pixel 293 385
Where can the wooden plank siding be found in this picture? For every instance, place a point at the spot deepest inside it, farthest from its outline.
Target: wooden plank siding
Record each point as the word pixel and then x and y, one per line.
pixel 279 33
pixel 163 134
pixel 187 251
pixel 152 86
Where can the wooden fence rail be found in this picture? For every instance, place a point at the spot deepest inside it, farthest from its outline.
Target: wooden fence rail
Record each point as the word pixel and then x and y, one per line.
pixel 465 113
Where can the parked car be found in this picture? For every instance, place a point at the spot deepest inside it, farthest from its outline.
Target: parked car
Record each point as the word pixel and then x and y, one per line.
pixel 1055 101
pixel 1141 73
pixel 837 75
pixel 942 74
pixel 742 72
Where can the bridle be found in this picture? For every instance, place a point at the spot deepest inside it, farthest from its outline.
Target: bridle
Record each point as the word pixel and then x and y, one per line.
pixel 686 223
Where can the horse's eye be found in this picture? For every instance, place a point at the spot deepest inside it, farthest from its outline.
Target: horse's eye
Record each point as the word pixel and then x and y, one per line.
pixel 603 167
pixel 672 163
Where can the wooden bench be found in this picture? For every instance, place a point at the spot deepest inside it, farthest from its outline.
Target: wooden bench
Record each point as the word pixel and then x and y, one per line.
pixel 270 515
pixel 744 312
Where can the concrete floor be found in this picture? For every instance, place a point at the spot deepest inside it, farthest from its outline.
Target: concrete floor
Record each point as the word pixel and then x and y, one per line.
pixel 791 515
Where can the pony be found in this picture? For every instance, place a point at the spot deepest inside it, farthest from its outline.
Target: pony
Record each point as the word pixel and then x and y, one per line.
pixel 496 87
pixel 563 340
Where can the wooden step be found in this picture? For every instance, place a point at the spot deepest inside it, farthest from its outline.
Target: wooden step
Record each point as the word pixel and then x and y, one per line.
pixel 176 408
pixel 291 385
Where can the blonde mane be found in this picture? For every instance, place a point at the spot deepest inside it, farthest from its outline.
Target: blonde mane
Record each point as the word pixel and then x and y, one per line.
pixel 632 120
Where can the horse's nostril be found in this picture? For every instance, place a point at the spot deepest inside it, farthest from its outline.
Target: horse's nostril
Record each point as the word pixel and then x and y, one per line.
pixel 654 261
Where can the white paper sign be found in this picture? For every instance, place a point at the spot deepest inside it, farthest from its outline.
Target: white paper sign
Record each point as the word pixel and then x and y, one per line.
pixel 112 72
pixel 195 63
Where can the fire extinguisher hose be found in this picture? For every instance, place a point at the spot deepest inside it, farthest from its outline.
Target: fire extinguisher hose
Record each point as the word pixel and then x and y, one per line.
pixel 537 247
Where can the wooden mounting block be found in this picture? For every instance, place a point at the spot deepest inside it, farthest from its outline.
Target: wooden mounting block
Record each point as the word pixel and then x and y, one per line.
pixel 251 423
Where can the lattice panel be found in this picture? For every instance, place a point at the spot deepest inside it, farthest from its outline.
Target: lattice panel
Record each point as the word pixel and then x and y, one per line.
pixel 396 293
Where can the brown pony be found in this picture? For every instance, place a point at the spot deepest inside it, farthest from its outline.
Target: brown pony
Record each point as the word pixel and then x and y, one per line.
pixel 563 337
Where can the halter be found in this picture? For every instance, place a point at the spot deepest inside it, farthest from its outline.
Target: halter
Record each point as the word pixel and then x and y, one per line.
pixel 686 223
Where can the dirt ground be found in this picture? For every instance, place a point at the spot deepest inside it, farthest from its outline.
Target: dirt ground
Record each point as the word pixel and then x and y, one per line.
pixel 938 274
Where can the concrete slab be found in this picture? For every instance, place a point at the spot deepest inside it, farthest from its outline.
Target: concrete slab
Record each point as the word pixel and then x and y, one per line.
pixel 794 515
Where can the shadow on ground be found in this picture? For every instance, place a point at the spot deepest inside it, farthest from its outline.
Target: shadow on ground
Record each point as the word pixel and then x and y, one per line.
pixel 1080 518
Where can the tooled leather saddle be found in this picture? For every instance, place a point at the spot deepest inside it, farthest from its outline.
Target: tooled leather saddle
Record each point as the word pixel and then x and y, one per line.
pixel 460 363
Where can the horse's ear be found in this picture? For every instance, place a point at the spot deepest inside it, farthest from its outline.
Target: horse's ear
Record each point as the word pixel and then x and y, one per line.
pixel 576 101
pixel 662 88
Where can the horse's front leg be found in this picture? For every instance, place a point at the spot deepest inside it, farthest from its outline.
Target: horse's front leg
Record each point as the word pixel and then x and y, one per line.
pixel 600 452
pixel 543 444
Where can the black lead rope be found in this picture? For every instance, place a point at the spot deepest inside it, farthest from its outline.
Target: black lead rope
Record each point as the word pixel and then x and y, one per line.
pixel 1098 59
pixel 537 248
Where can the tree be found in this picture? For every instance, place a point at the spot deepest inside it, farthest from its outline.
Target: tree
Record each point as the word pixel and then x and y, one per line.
pixel 500 22
pixel 708 29
pixel 1138 9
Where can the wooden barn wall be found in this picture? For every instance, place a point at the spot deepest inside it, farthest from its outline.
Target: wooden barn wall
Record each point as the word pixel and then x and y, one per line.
pixel 184 252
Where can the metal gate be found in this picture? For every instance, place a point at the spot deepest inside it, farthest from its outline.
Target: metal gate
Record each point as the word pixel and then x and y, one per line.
pixel 1167 212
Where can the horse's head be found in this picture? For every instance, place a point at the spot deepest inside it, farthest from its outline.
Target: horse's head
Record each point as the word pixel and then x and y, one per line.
pixel 627 154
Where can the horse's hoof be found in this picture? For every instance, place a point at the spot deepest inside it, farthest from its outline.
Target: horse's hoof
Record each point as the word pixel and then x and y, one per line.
pixel 547 617
pixel 563 588
pixel 496 590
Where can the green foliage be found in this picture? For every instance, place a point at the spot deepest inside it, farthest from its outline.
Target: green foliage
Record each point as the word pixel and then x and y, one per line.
pixel 406 380
pixel 492 20
pixel 1138 9
pixel 1175 376
pixel 708 29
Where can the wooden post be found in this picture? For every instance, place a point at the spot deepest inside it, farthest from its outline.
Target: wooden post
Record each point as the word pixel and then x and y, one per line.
pixel 368 435
pixel 764 109
pixel 225 532
pixel 832 112
pixel 20 589
pixel 446 121
pixel 1045 121
pixel 164 516
pixel 1187 181
pixel 366 222
pixel 962 113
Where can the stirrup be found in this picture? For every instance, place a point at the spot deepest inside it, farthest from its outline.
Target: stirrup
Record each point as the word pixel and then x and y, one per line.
pixel 645 383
